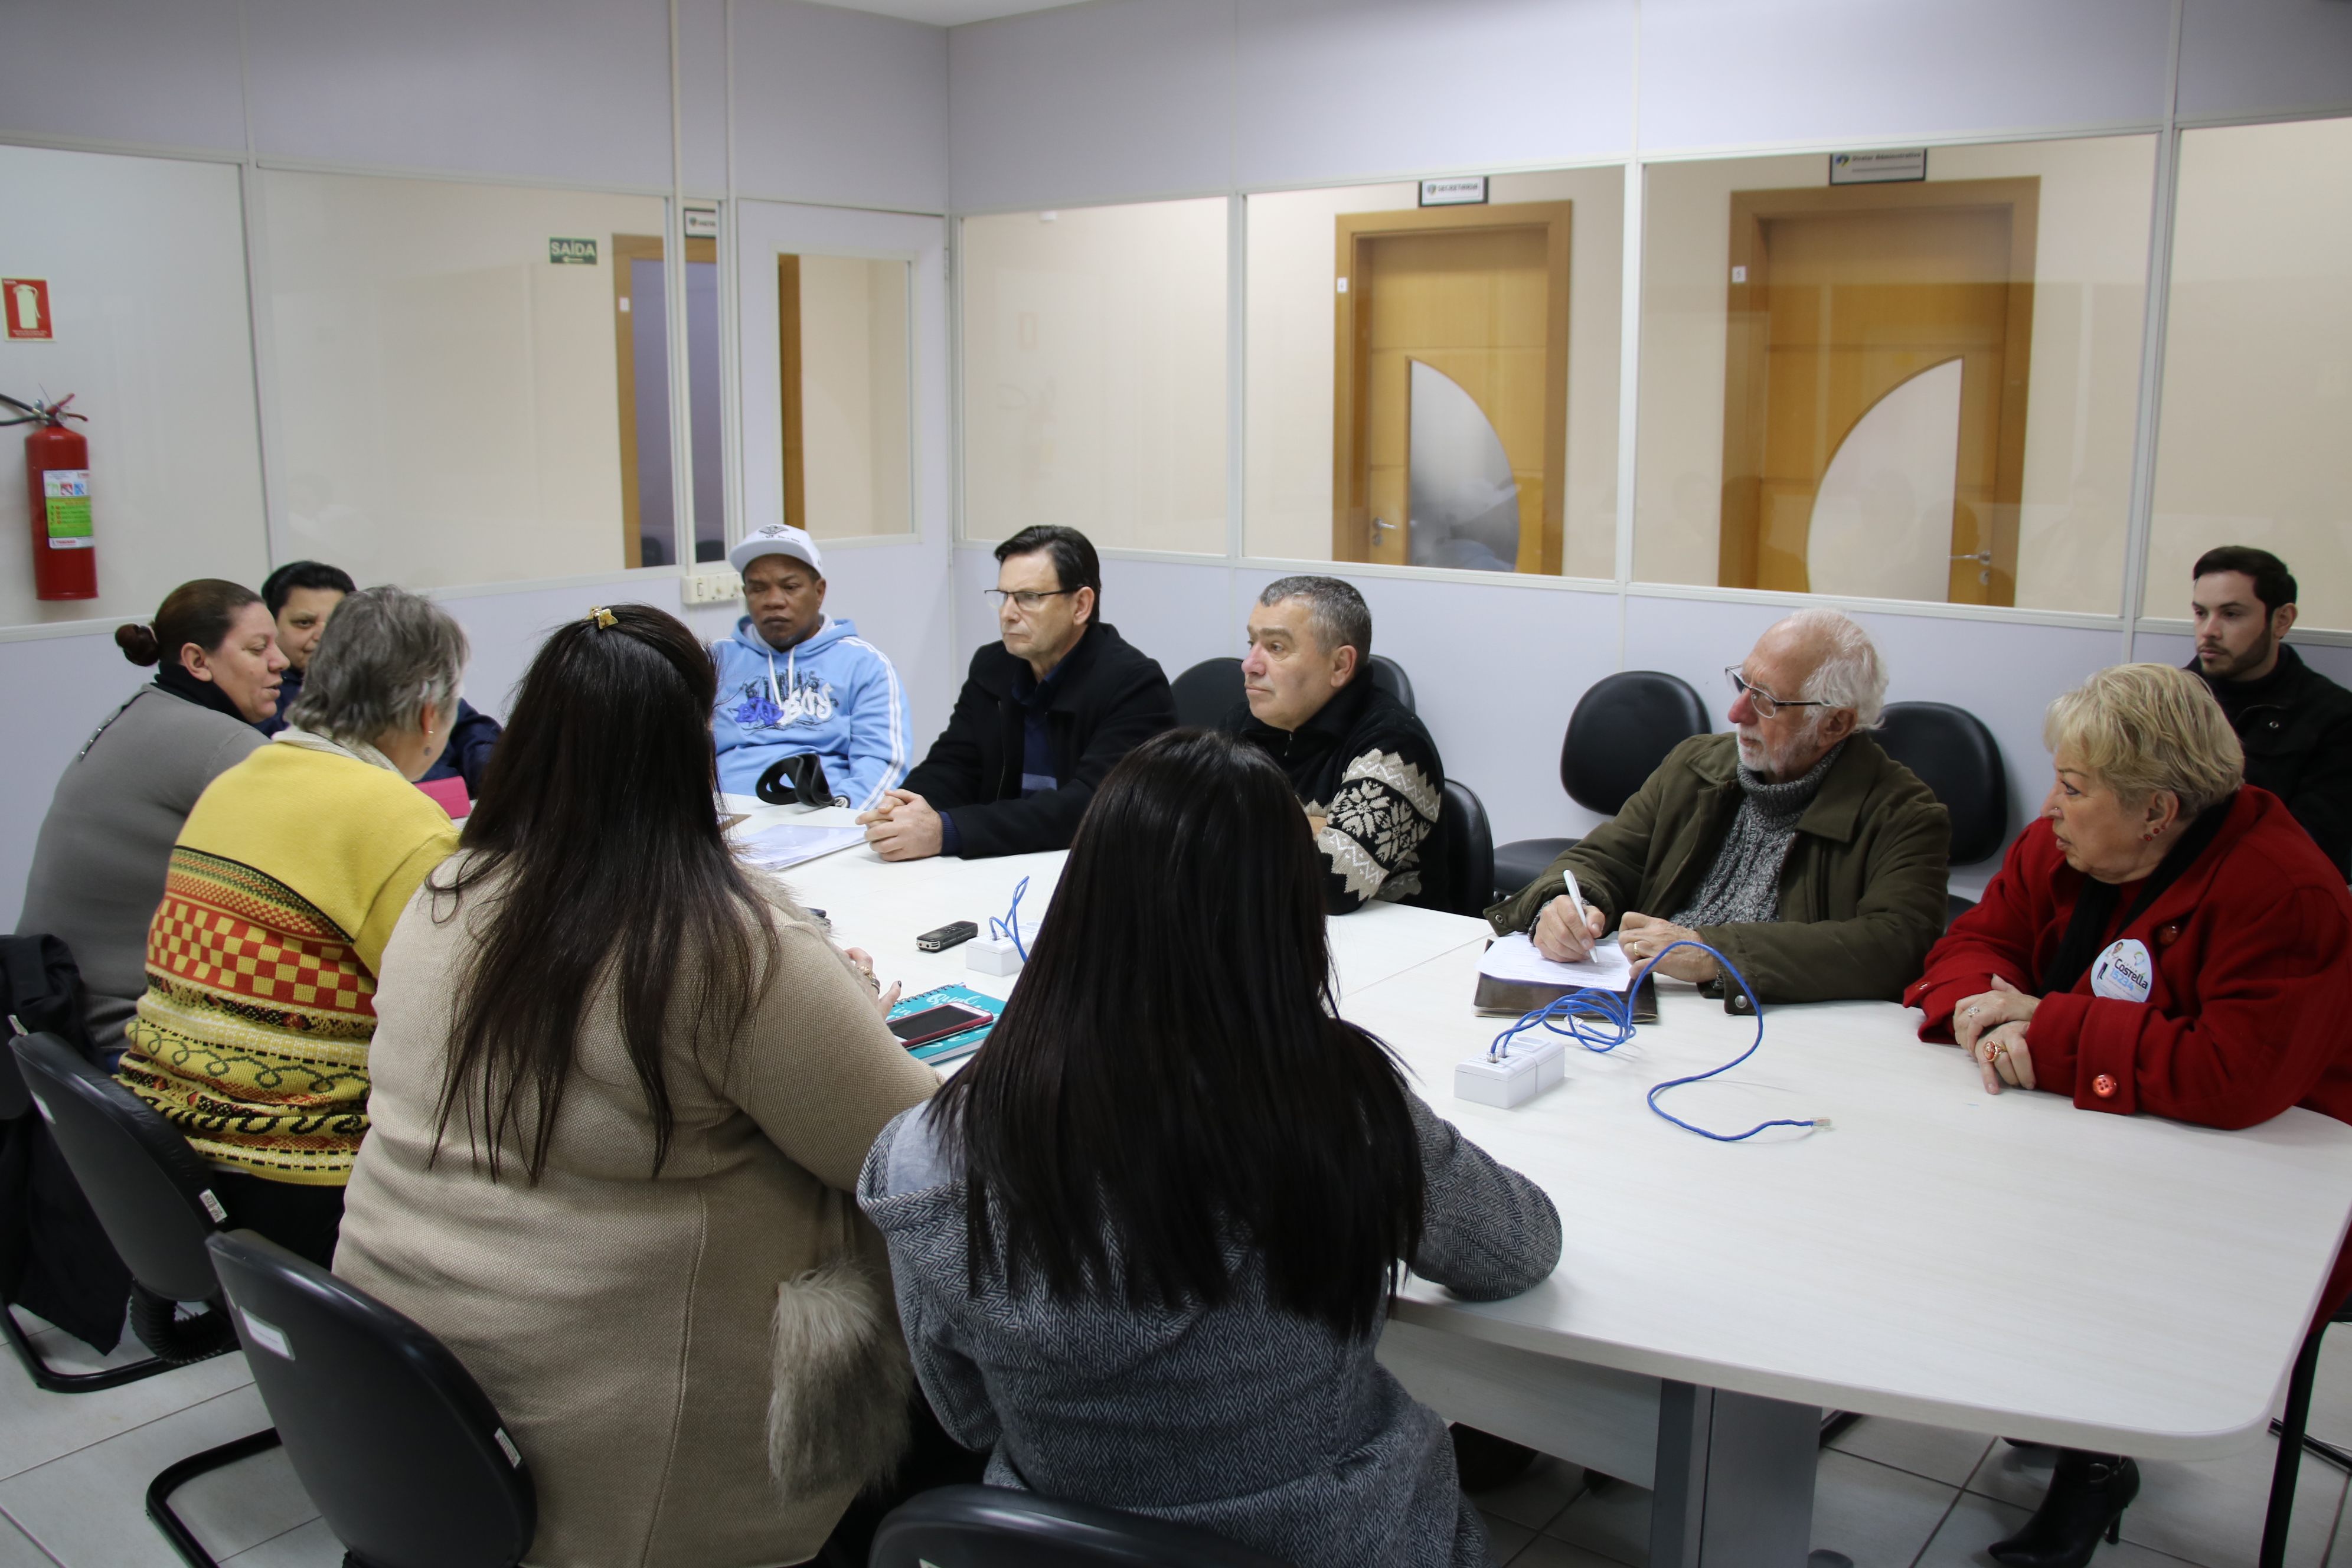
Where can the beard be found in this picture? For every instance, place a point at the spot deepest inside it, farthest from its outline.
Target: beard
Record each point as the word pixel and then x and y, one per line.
pixel 2223 666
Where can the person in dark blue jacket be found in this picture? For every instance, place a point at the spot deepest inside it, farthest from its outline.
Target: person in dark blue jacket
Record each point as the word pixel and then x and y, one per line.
pixel 302 596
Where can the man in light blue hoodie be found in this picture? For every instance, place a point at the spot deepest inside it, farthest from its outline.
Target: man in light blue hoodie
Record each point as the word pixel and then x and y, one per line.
pixel 793 679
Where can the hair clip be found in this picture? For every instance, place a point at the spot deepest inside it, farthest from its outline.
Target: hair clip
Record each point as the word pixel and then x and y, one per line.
pixel 598 616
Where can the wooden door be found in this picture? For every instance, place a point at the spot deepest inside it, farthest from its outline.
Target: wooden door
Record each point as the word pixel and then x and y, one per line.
pixel 1838 297
pixel 626 249
pixel 1480 294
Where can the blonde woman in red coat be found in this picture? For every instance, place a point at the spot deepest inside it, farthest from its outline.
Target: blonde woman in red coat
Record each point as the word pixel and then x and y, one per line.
pixel 2166 938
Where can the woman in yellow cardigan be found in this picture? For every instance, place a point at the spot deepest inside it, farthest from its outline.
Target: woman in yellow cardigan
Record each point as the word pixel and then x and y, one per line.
pixel 253 1036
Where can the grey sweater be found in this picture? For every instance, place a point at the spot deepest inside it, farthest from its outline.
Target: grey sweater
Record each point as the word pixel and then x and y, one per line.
pixel 97 868
pixel 1257 1424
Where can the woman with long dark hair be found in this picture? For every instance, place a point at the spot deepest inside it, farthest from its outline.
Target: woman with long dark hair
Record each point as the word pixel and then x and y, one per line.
pixel 1144 1242
pixel 98 869
pixel 622 1088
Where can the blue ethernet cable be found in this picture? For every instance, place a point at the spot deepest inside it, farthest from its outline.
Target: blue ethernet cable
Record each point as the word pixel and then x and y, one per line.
pixel 1600 1021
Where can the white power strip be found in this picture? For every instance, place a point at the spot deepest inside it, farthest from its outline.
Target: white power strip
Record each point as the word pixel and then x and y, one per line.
pixel 711 587
pixel 1530 1068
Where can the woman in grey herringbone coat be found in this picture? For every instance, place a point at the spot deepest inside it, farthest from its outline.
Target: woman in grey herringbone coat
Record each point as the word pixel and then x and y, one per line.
pixel 1143 1246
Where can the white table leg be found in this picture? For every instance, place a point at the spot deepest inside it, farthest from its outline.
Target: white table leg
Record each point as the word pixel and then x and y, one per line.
pixel 1735 1479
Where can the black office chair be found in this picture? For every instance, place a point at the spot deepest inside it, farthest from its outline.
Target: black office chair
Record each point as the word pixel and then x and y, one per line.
pixel 1623 728
pixel 156 1202
pixel 396 1444
pixel 1391 678
pixel 994 1527
pixel 1960 762
pixel 1458 864
pixel 1207 692
pixel 2294 1442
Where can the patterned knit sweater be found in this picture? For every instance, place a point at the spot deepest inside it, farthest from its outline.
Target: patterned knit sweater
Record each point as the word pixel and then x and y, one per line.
pixel 261 962
pixel 1743 885
pixel 1366 767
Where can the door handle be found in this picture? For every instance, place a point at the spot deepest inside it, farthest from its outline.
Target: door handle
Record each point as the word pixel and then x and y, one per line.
pixel 1982 558
pixel 1378 525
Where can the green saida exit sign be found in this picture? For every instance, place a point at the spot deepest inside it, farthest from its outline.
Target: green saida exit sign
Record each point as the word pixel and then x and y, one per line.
pixel 572 252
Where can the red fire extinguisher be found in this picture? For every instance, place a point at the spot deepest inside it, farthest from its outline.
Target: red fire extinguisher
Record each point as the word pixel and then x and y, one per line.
pixel 57 493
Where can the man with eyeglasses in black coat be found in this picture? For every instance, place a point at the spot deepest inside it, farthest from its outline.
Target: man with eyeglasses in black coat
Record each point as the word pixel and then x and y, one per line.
pixel 1045 714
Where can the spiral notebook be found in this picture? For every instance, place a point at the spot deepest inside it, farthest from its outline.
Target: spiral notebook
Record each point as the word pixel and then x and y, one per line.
pixel 954 1045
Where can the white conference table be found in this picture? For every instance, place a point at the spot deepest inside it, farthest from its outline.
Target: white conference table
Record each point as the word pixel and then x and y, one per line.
pixel 2001 1263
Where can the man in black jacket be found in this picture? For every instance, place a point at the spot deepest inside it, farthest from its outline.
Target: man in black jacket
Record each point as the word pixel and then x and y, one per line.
pixel 1043 717
pixel 1363 768
pixel 2295 723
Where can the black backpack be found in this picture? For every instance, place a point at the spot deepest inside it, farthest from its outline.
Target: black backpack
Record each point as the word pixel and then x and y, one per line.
pixel 55 1259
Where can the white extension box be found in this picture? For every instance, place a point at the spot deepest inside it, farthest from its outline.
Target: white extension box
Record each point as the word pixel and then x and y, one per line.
pixel 1527 1069
pixel 991 955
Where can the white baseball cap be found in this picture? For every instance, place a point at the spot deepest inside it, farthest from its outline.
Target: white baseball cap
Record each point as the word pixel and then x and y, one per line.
pixel 776 539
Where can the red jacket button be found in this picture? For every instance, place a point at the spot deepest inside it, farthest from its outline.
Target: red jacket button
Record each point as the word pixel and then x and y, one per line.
pixel 2104 1086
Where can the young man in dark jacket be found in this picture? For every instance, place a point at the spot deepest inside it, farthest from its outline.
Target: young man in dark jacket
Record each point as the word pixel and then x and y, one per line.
pixel 2295 723
pixel 1045 714
pixel 1364 768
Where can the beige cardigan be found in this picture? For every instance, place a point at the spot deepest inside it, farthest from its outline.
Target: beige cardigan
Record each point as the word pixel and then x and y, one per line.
pixel 621 1324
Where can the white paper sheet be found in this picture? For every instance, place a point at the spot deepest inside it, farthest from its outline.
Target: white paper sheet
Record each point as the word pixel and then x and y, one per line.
pixel 791 842
pixel 1514 958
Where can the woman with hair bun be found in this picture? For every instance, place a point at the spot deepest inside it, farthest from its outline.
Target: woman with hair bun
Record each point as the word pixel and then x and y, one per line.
pixel 97 869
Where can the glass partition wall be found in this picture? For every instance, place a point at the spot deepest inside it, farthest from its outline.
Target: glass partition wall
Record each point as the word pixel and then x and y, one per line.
pixel 1437 385
pixel 1917 389
pixel 2258 363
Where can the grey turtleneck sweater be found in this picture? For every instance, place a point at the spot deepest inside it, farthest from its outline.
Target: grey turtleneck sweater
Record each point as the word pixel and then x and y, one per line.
pixel 1743 886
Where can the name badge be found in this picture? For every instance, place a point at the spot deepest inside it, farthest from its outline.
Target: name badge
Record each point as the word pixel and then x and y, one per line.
pixel 2122 973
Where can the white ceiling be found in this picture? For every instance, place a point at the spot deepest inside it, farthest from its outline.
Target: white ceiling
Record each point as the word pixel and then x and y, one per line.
pixel 948 13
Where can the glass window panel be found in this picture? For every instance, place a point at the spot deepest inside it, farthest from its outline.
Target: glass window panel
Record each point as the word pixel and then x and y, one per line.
pixel 1463 302
pixel 2258 363
pixel 844 358
pixel 145 259
pixel 1094 374
pixel 450 394
pixel 1779 313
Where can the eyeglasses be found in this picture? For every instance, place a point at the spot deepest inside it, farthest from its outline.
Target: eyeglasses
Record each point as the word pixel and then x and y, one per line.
pixel 1025 599
pixel 1766 703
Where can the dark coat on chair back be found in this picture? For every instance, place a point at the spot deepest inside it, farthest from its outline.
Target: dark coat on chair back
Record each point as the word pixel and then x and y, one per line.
pixel 1108 698
pixel 1861 889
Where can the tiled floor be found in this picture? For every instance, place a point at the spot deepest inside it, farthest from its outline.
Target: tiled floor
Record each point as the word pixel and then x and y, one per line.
pixel 74 1470
pixel 1893 1495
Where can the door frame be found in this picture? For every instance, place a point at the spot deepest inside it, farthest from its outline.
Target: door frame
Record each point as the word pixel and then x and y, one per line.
pixel 1748 334
pixel 1351 523
pixel 628 248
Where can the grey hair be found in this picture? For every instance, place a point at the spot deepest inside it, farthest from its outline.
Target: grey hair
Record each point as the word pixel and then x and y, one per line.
pixel 385 654
pixel 1851 674
pixel 1337 612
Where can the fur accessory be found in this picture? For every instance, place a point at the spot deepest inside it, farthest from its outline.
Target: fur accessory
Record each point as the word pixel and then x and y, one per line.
pixel 842 1381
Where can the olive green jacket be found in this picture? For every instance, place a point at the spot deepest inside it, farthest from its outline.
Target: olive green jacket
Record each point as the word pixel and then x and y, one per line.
pixel 1862 891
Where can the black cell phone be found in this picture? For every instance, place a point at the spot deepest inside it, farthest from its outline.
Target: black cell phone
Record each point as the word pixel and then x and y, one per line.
pixel 937 1024
pixel 946 936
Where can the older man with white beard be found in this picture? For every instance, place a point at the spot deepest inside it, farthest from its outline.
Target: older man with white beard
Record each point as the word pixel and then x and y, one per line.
pixel 1793 845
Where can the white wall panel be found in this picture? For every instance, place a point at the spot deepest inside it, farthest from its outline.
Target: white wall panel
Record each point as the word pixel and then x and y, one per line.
pixel 1336 90
pixel 1121 99
pixel 63 689
pixel 123 70
pixel 702 92
pixel 2245 56
pixel 1718 72
pixel 572 89
pixel 840 106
